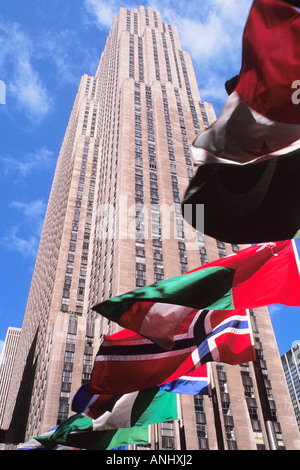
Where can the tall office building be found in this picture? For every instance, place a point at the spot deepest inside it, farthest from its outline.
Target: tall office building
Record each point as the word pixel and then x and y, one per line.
pixel 114 223
pixel 7 359
pixel 291 367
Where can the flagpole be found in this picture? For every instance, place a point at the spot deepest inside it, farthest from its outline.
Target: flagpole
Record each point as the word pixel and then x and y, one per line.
pixel 265 405
pixel 218 425
pixel 181 424
pixel 156 442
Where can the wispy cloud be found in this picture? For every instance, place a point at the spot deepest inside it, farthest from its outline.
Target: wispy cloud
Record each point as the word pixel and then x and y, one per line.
pixel 102 11
pixel 24 84
pixel 58 50
pixel 1 346
pixel 27 247
pixel 275 310
pixel 40 159
pixel 33 212
pixel 24 236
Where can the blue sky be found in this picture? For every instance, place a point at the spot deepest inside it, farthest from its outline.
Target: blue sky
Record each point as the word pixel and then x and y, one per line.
pixel 45 47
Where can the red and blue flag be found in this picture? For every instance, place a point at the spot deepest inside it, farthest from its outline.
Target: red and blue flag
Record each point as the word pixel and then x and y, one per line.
pixel 127 361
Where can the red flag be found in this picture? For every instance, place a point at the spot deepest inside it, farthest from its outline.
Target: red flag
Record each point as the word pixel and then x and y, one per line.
pixel 249 158
pixel 127 361
pixel 259 119
pixel 256 276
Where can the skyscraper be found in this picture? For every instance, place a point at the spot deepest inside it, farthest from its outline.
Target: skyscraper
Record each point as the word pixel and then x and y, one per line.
pixel 291 366
pixel 114 223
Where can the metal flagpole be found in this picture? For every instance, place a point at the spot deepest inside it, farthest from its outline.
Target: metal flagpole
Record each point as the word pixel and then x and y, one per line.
pixel 156 442
pixel 265 405
pixel 181 424
pixel 218 425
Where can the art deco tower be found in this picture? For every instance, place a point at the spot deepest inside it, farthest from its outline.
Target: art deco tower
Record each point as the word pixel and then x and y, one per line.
pixel 114 223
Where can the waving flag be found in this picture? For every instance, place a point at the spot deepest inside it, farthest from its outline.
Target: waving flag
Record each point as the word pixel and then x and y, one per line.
pixel 141 362
pixel 159 406
pixel 125 364
pixel 82 436
pixel 256 276
pixel 249 158
pixel 33 444
pixel 124 411
pixel 105 422
pixel 195 382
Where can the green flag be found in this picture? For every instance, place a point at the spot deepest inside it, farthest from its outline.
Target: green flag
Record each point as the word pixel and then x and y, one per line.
pixel 126 423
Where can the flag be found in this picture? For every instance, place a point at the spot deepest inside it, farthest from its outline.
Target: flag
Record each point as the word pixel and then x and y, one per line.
pixel 249 158
pixel 128 363
pixel 105 422
pixel 96 440
pixel 253 277
pixel 96 405
pixel 124 411
pixel 141 362
pixel 196 382
pixel 33 444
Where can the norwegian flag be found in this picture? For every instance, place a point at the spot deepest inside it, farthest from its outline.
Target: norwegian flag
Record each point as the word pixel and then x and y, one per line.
pixel 198 381
pixel 127 361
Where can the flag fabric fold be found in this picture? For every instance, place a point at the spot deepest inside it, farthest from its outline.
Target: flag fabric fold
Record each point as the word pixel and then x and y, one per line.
pixel 95 440
pixel 249 157
pixel 95 405
pixel 123 365
pixel 253 277
pixel 105 422
pixel 196 382
pixel 33 444
pixel 259 119
pixel 136 408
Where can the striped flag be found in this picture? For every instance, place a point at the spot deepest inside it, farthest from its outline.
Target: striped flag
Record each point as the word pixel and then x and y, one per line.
pixel 249 159
pixel 127 361
pixel 256 276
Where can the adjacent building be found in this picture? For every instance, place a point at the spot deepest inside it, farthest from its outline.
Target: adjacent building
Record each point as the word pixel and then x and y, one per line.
pixel 114 223
pixel 7 360
pixel 291 367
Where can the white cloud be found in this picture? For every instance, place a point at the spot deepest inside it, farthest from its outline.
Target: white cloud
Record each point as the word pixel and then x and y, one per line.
pixel 58 50
pixel 31 95
pixel 24 237
pixel 41 159
pixel 275 310
pixel 26 246
pixel 1 346
pixel 103 11
pixel 34 212
pixel 24 84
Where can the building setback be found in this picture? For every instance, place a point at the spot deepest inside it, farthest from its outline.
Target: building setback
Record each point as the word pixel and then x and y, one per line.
pixel 114 223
